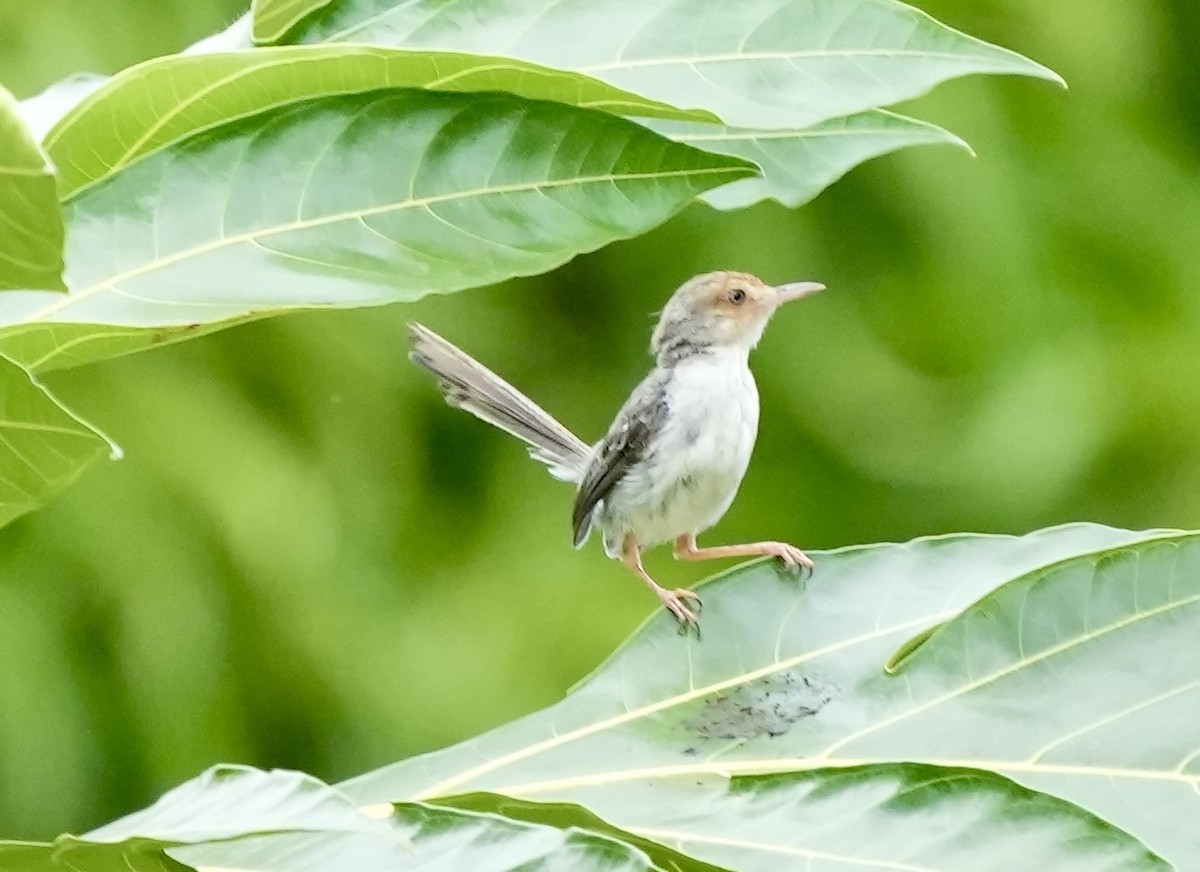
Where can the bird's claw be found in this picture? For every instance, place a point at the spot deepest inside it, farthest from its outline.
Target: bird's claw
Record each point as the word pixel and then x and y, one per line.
pixel 688 619
pixel 792 557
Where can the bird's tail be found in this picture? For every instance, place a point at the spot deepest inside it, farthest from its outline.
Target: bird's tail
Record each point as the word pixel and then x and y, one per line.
pixel 468 384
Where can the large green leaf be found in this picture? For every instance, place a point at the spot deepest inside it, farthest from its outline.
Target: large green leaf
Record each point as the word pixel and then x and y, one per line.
pixel 31 227
pixel 146 107
pixel 43 445
pixel 349 201
pixel 239 819
pixel 878 817
pixel 799 164
pixel 754 63
pixel 1077 678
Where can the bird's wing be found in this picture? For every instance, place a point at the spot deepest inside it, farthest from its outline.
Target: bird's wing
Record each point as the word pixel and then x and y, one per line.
pixel 628 441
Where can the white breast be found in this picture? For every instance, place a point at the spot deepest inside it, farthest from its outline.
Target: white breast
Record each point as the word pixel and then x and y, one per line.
pixel 696 463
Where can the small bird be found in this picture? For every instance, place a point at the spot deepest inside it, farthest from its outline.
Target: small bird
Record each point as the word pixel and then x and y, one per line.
pixel 673 459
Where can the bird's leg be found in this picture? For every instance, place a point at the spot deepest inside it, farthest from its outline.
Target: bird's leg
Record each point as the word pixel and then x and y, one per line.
pixel 631 556
pixel 686 549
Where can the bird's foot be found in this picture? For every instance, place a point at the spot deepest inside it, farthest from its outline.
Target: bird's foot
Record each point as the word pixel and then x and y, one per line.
pixel 792 557
pixel 673 600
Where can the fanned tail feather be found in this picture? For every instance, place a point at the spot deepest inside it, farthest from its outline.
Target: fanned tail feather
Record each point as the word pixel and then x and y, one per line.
pixel 468 384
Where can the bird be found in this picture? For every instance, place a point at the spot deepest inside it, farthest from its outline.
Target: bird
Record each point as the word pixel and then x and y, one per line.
pixel 674 457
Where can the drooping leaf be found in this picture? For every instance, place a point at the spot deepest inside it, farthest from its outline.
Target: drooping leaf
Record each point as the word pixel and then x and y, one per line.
pixel 43 445
pixel 46 345
pixel 274 18
pixel 229 801
pixel 350 201
pixel 799 164
pixel 756 63
pixel 239 819
pixel 31 226
pixel 877 817
pixel 1074 679
pixel 146 107
pixel 434 840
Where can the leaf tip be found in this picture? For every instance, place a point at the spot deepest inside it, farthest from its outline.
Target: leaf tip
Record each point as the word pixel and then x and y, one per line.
pixel 901 655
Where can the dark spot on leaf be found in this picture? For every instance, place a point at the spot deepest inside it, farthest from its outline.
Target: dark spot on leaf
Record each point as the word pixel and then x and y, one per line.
pixel 767 707
pixel 691 752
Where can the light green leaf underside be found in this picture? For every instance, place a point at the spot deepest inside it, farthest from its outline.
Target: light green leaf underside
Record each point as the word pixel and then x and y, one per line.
pixel 31 227
pixel 356 200
pixel 434 840
pixel 791 680
pixel 755 63
pixel 238 818
pixel 43 446
pixel 274 18
pixel 153 104
pixel 874 818
pixel 229 801
pixel 798 164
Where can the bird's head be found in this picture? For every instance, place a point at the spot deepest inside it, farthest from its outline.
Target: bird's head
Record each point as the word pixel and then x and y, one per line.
pixel 720 309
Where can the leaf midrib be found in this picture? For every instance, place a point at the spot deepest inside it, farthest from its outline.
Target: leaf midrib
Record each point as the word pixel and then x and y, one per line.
pixel 70 299
pixel 444 787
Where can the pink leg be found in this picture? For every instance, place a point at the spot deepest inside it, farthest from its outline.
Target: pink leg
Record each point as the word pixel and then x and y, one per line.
pixel 686 549
pixel 631 556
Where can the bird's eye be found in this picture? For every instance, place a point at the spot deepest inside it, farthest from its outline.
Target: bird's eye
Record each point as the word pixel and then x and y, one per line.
pixel 737 296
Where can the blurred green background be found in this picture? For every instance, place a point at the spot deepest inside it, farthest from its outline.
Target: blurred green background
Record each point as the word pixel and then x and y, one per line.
pixel 307 561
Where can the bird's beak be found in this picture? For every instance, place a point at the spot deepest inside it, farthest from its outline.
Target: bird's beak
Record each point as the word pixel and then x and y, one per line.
pixel 796 290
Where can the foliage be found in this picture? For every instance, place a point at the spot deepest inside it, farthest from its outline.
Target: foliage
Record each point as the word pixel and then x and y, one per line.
pixel 1005 797
pixel 222 187
pixel 780 739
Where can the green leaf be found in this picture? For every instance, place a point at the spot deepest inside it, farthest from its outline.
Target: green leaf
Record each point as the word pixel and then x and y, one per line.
pixel 887 816
pixel 439 839
pixel 69 854
pixel 31 227
pixel 151 105
pixel 43 445
pixel 799 164
pixel 238 818
pixel 902 653
pixel 229 801
pixel 1075 678
pixel 754 63
pixel 351 201
pixel 46 346
pixel 565 815
pixel 274 18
